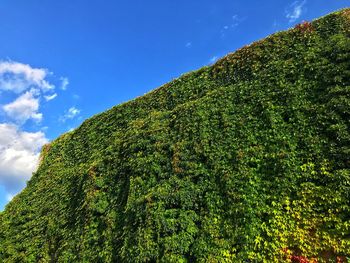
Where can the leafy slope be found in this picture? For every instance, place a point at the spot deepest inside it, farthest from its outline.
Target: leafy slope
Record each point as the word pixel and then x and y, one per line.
pixel 243 161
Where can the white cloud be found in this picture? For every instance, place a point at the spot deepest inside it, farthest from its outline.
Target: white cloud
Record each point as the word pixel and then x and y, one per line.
pixel 18 77
pixel 29 84
pixel 295 10
pixel 70 114
pixel 50 97
pixel 25 107
pixel 19 149
pixel 65 83
pixel 19 154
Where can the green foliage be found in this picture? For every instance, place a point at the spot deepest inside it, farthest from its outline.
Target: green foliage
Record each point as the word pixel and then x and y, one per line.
pixel 243 161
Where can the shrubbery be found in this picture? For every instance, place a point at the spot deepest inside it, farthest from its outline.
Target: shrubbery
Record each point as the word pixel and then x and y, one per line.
pixel 243 161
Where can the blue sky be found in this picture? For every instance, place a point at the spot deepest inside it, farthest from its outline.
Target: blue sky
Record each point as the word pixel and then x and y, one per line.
pixel 64 61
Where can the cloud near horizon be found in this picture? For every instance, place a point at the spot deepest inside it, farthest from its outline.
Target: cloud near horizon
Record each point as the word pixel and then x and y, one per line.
pixel 20 149
pixel 295 10
pixel 213 59
pixel 71 113
pixel 19 154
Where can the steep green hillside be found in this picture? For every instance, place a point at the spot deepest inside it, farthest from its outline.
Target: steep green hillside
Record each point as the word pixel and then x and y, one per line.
pixel 247 160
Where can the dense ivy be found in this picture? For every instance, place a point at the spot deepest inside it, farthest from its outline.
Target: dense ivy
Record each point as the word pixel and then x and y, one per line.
pixel 243 161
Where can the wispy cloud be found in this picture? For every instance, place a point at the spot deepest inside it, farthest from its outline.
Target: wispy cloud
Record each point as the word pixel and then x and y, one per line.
pixel 213 59
pixel 295 10
pixel 50 97
pixel 188 44
pixel 9 197
pixel 235 21
pixel 65 83
pixel 71 113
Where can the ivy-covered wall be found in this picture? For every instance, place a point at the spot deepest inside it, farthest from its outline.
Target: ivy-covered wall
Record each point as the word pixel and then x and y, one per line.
pixel 243 161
